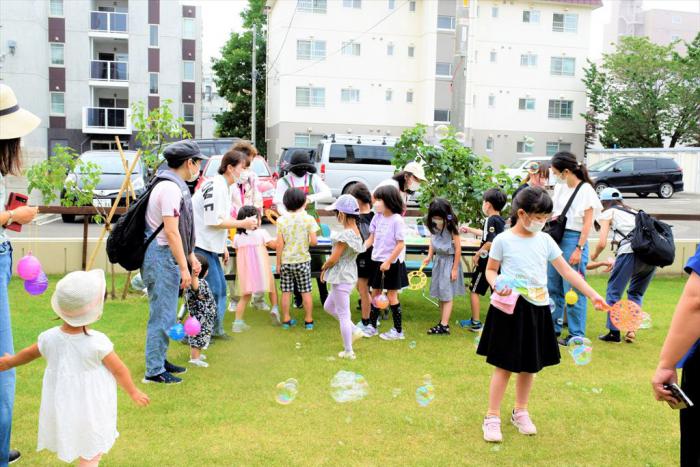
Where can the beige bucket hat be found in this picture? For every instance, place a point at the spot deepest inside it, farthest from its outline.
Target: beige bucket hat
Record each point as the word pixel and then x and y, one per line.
pixel 79 297
pixel 15 122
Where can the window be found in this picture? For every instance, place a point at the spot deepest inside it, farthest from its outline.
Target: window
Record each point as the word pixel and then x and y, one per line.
pixel 351 48
pixel 492 100
pixel 153 83
pixel 445 22
pixel 409 96
pixel 188 28
pixel 667 164
pixel 494 12
pixel 676 19
pixel 392 4
pixel 390 49
pixel 526 104
pixel 57 106
pixel 524 147
pixel 492 56
pixel 528 59
pixel 531 16
pixel 349 95
pixel 153 35
pixel 188 113
pixel 306 140
pixel 56 8
pixel 489 144
pixel 441 115
pixel 675 37
pixel 187 71
pixel 563 66
pixel 644 164
pixel 443 69
pixel 312 6
pixel 565 22
pixel 360 154
pixel 555 147
pixel 412 5
pixel 311 97
pixel 311 50
pixel 388 95
pixel 57 54
pixel 561 109
pixel 411 51
pixel 352 3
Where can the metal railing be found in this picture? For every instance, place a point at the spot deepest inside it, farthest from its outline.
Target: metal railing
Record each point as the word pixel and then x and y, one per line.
pixel 105 118
pixel 108 21
pixel 106 70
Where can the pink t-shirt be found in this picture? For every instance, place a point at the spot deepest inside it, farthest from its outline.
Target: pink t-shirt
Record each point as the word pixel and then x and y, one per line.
pixel 255 237
pixel 165 200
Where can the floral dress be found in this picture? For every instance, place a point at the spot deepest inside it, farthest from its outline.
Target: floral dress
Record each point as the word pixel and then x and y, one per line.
pixel 201 305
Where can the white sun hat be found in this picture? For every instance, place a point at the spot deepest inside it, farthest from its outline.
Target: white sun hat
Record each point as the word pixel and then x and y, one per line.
pixel 79 297
pixel 416 168
pixel 15 122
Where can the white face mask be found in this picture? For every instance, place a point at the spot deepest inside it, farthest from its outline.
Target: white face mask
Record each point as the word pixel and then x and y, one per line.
pixel 193 176
pixel 561 178
pixel 413 186
pixel 439 223
pixel 484 210
pixel 534 226
pixel 245 175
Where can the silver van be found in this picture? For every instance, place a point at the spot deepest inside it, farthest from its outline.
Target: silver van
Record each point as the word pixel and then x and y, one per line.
pixel 343 160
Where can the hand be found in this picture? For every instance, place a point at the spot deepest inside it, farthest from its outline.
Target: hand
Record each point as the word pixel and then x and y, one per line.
pixel 426 261
pixel 454 275
pixel 185 279
pixel 325 266
pixel 24 214
pixel 250 223
pixel 575 257
pixel 140 398
pixel 227 256
pixel 196 266
pixel 464 229
pixel 385 266
pixel 661 377
pixel 599 302
pixel 5 362
pixel 608 266
pixel 504 292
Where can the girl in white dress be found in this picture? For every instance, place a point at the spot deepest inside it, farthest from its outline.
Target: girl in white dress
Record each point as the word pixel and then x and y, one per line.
pixel 78 414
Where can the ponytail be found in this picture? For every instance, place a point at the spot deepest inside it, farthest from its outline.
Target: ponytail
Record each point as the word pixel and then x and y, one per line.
pixel 567 161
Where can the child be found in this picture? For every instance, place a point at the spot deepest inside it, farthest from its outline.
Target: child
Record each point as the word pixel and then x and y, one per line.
pixel 296 231
pixel 340 270
pixel 387 239
pixel 253 272
pixel 523 340
pixel 201 305
pixel 364 260
pixel 494 224
pixel 446 248
pixel 78 414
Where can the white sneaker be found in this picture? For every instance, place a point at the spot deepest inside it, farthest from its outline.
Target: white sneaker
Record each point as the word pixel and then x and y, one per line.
pixel 199 362
pixel 359 327
pixel 392 335
pixel 347 355
pixel 369 331
pixel 261 305
pixel 492 430
pixel 357 334
pixel 275 315
pixel 232 306
pixel 240 326
pixel 202 356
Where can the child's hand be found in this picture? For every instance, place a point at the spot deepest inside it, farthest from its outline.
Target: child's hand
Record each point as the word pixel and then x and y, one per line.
pixel 385 266
pixel 599 302
pixel 504 292
pixel 227 256
pixel 454 275
pixel 5 362
pixel 464 229
pixel 140 398
pixel 426 261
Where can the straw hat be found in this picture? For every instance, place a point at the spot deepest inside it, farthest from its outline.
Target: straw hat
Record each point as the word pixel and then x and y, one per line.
pixel 14 121
pixel 79 297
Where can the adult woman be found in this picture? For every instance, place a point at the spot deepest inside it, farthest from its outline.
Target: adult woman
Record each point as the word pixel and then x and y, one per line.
pixel 537 175
pixel 573 184
pixel 408 180
pixel 14 124
pixel 620 219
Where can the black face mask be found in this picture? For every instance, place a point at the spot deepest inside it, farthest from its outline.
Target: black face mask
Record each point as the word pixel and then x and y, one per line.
pixel 298 171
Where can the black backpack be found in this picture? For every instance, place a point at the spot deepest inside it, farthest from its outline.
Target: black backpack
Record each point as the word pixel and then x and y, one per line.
pixel 651 239
pixel 125 244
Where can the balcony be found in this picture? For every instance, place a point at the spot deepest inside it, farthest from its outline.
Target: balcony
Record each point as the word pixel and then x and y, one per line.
pixel 106 120
pixel 109 24
pixel 109 73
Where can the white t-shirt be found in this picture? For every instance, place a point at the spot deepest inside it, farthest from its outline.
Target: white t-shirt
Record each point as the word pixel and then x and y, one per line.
pixel 526 258
pixel 622 222
pixel 165 200
pixel 585 198
pixel 211 205
pixel 321 191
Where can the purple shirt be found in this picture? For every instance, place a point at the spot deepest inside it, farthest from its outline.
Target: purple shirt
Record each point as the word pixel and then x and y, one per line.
pixel 388 231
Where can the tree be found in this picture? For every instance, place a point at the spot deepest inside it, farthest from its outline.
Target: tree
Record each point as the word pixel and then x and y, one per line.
pixel 234 80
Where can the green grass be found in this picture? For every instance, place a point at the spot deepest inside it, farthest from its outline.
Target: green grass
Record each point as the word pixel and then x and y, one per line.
pixel 227 414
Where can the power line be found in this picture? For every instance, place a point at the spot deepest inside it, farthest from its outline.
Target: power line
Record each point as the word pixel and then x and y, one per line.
pixel 289 26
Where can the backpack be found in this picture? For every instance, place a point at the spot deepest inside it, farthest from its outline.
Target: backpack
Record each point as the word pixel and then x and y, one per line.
pixel 651 240
pixel 125 244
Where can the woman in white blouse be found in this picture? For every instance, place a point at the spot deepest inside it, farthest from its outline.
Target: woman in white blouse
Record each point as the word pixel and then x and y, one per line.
pixel 584 209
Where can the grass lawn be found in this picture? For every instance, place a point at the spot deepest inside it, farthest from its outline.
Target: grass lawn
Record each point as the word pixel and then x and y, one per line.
pixel 227 415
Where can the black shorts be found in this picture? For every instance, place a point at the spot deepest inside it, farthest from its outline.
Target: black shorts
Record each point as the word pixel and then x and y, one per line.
pixel 365 268
pixel 396 278
pixel 479 283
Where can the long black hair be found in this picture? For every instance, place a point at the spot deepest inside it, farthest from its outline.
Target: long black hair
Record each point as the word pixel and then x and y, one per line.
pixel 402 179
pixel 567 161
pixel 442 208
pixel 532 200
pixel 391 197
pixel 244 213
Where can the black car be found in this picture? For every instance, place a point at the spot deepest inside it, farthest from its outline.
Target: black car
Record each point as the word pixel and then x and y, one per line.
pixel 286 155
pixel 216 146
pixel 640 175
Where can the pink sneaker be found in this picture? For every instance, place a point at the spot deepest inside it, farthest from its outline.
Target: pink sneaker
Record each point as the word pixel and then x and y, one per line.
pixel 521 420
pixel 492 430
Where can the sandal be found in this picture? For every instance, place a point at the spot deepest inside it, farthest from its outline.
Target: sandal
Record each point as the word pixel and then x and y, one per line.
pixel 630 337
pixel 439 329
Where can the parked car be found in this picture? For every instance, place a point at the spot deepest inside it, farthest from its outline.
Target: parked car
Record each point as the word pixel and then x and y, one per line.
pixel 259 166
pixel 283 161
pixel 214 146
pixel 518 169
pixel 105 193
pixel 640 175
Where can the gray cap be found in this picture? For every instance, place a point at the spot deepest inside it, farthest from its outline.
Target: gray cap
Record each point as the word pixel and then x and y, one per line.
pixel 183 150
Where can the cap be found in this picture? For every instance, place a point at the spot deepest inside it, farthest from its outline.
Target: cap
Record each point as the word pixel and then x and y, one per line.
pixel 416 168
pixel 183 150
pixel 347 204
pixel 610 194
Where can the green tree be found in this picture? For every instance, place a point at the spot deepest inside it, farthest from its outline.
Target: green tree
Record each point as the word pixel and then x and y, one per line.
pixel 234 80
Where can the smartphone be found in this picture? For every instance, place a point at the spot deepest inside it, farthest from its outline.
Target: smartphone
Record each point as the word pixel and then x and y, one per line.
pixel 14 201
pixel 683 401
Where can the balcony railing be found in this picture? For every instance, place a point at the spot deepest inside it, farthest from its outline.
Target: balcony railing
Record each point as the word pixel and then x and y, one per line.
pixel 106 120
pixel 107 21
pixel 106 70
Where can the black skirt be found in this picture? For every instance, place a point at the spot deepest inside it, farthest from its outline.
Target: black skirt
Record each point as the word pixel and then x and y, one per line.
pixel 365 268
pixel 521 342
pixel 396 278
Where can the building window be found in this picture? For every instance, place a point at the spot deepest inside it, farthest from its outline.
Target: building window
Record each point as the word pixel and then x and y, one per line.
pixel 412 5
pixel 526 104
pixel 524 147
pixel 555 147
pixel 529 60
pixel 494 12
pixel 492 56
pixel 446 22
pixel 312 6
pixel 441 115
pixel 411 51
pixel 352 3
pixel 565 22
pixel 563 66
pixel 351 49
pixel 188 113
pixel 492 100
pixel 675 19
pixel 390 49
pixel 349 95
pixel 561 109
pixel 306 140
pixel 57 105
pixel 489 144
pixel 311 50
pixel 153 35
pixel 388 95
pixel 443 69
pixel 531 16
pixel 392 4
pixel 675 37
pixel 310 97
pixel 409 96
pixel 56 8
pixel 188 28
pixel 187 71
pixel 57 54
pixel 153 83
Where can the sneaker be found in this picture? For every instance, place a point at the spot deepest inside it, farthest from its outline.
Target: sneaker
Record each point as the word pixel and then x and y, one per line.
pixel 232 306
pixel 275 315
pixel 630 337
pixel 222 337
pixel 289 324
pixel 564 341
pixel 199 362
pixel 610 337
pixel 357 334
pixel 392 335
pixel 261 305
pixel 464 323
pixel 475 326
pixel 359 327
pixel 492 430
pixel 174 369
pixel 202 356
pixel 521 420
pixel 240 326
pixel 440 329
pixel 347 355
pixel 370 331
pixel 163 378
pixel 309 326
pixel 13 456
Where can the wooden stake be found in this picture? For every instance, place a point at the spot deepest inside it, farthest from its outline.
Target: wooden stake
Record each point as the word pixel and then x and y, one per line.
pixel 114 292
pixel 132 192
pixel 126 285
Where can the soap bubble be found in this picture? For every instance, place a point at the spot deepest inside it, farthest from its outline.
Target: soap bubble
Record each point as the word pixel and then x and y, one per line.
pixel 477 339
pixel 496 448
pixel 441 131
pixel 412 345
pixel 484 254
pixel 396 392
pixel 596 390
pixel 347 386
pixel 580 350
pixel 286 391
pixel 552 305
pixel 646 321
pixel 425 394
pixel 298 345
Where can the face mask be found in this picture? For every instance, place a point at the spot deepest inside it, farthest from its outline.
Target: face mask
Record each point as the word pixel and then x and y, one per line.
pixel 534 226
pixel 484 210
pixel 561 178
pixel 413 186
pixel 194 176
pixel 243 177
pixel 439 223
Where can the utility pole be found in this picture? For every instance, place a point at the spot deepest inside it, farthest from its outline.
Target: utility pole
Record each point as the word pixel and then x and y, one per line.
pixel 254 78
pixel 463 63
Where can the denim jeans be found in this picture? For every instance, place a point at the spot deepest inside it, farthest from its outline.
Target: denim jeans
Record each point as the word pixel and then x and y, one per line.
pixel 7 378
pixel 628 270
pixel 576 313
pixel 217 284
pixel 161 275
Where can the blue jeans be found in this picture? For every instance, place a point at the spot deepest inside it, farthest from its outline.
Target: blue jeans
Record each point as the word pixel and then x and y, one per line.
pixel 217 284
pixel 628 270
pixel 575 314
pixel 7 378
pixel 161 275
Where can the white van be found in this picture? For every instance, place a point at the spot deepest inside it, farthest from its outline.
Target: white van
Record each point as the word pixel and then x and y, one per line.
pixel 343 160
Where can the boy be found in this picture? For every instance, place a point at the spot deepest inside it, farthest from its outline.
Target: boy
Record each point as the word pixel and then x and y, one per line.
pixel 296 231
pixel 494 224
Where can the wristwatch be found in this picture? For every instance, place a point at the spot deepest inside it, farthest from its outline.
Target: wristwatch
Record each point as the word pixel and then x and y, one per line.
pixel 579 247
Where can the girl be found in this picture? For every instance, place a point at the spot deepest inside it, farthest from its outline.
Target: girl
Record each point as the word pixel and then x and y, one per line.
pixel 340 270
pixel 78 414
pixel 253 272
pixel 387 239
pixel 523 342
pixel 446 247
pixel 364 260
pixel 584 209
pixel 201 305
pixel 537 175
pixel 620 218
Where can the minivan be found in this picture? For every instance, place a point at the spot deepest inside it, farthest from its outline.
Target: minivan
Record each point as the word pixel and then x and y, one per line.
pixel 640 175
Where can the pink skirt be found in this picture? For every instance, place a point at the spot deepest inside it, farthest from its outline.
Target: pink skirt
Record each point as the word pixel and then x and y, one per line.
pixel 252 270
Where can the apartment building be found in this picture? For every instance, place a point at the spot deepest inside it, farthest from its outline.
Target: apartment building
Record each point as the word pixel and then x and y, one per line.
pixel 212 102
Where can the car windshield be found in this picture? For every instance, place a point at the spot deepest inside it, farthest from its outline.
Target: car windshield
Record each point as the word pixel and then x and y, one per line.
pixel 517 164
pixel 258 166
pixel 602 165
pixel 110 164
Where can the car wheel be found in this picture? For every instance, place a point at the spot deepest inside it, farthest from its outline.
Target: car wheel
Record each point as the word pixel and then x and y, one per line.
pixel 665 190
pixel 600 187
pixel 347 188
pixel 642 195
pixel 68 218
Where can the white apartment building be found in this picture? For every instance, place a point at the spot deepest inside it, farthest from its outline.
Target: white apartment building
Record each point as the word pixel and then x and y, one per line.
pixel 212 102
pixel 380 66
